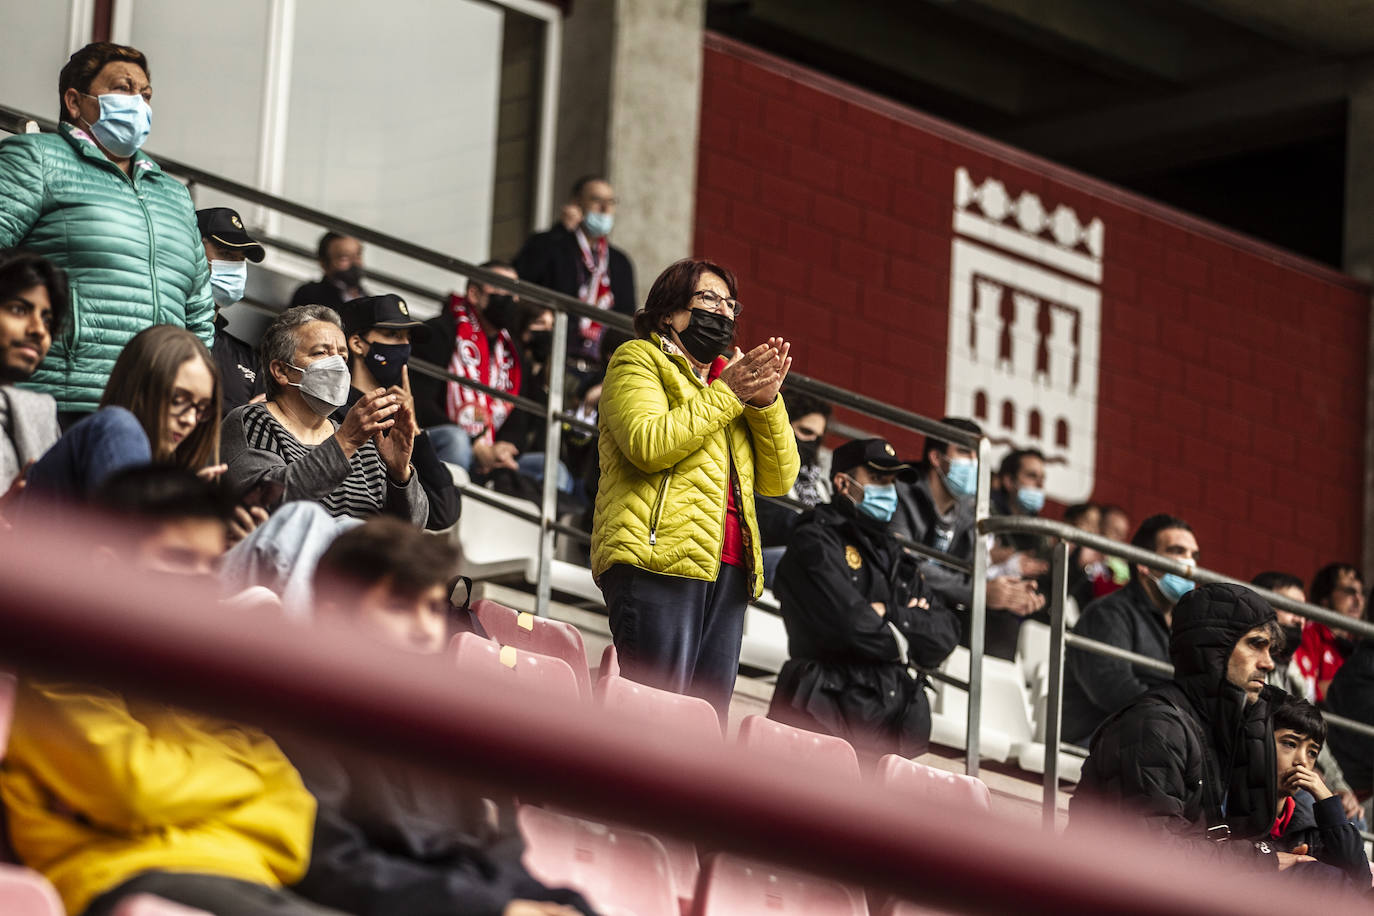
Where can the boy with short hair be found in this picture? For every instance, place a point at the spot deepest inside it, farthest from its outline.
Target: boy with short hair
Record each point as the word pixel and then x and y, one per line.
pixel 1319 830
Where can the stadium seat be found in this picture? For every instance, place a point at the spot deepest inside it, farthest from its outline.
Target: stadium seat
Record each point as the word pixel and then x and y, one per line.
pixel 568 578
pixel 24 892
pixel 679 717
pixel 764 645
pixel 495 543
pixel 1032 648
pixel 148 905
pixel 913 779
pixel 732 886
pixel 618 871
pixel 822 752
pixel 538 672
pixel 610 663
pixel 1006 718
pixel 539 635
pixel 906 908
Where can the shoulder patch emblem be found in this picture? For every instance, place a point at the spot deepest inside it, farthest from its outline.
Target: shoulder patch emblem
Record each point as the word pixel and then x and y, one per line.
pixel 851 556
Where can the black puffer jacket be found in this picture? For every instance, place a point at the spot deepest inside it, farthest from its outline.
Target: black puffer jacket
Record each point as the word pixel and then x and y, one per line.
pixel 1182 751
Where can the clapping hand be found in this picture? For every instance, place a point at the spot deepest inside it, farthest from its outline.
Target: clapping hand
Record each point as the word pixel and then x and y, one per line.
pixel 756 376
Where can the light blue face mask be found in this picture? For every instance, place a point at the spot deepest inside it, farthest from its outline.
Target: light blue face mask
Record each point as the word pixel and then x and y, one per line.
pixel 1031 499
pixel 124 123
pixel 598 224
pixel 962 479
pixel 227 281
pixel 1173 587
pixel 879 501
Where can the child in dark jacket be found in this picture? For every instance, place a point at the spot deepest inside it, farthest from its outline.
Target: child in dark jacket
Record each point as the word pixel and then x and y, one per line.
pixel 1319 829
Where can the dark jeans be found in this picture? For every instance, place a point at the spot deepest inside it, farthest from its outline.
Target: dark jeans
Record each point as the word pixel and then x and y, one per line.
pixel 212 893
pixel 679 634
pixel 106 441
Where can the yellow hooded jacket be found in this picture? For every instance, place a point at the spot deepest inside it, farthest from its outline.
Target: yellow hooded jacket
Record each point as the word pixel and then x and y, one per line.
pixel 666 446
pixel 98 788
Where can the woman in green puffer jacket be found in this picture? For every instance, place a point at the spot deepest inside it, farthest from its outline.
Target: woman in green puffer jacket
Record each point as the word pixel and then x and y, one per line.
pixel 687 437
pixel 124 230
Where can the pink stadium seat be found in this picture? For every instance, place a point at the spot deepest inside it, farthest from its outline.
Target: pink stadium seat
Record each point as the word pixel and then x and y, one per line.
pixel 540 635
pixel 7 688
pixel 610 663
pixel 903 908
pixel 731 886
pixel 27 893
pixel 538 672
pixel 776 739
pixel 918 780
pixel 148 905
pixel 618 871
pixel 672 714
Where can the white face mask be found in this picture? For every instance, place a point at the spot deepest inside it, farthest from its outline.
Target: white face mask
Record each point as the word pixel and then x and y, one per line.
pixel 324 384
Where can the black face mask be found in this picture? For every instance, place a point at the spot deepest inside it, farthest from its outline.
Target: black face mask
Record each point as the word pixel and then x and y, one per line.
pixel 501 311
pixel 1292 637
pixel 809 451
pixel 540 345
pixel 707 336
pixel 350 276
pixel 385 362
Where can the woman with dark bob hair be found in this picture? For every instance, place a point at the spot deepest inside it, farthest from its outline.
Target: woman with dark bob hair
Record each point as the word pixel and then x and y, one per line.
pixel 690 428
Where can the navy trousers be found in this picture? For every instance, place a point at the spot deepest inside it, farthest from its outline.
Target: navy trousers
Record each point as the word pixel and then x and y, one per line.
pixel 679 634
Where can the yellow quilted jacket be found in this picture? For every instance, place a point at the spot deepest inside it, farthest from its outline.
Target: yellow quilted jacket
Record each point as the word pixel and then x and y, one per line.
pixel 98 788
pixel 666 444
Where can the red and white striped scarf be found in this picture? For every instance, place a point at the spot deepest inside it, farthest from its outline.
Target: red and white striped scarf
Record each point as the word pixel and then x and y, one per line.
pixel 595 289
pixel 490 362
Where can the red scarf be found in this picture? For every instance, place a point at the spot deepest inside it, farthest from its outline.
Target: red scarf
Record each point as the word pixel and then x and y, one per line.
pixel 1283 820
pixel 595 289
pixel 490 362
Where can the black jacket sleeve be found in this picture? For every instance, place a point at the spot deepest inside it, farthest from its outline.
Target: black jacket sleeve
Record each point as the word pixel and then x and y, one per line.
pixel 932 633
pixel 819 598
pixel 445 502
pixel 1334 841
pixel 1108 682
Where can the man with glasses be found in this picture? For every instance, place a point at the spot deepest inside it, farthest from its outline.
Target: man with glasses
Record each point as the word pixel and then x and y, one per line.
pixel 1336 586
pixel 576 258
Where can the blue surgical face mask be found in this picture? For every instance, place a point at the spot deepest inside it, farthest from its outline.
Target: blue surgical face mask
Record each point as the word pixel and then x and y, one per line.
pixel 598 224
pixel 124 123
pixel 879 500
pixel 962 479
pixel 227 281
pixel 1031 499
pixel 1173 587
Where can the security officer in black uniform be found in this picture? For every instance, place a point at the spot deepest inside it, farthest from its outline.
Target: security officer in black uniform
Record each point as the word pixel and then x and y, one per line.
pixel 859 618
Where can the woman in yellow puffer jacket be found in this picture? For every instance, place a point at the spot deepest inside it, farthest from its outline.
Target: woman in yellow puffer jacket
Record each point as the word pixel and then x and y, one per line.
pixel 687 437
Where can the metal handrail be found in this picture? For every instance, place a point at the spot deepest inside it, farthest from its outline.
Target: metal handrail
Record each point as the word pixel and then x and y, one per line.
pixel 564 306
pixel 1060 638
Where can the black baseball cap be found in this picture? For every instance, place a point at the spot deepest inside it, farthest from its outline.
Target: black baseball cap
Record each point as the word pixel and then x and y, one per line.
pixel 874 454
pixel 388 311
pixel 223 226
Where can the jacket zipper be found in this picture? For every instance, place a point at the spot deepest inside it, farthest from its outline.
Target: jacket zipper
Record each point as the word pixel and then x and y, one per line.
pixel 152 242
pixel 658 507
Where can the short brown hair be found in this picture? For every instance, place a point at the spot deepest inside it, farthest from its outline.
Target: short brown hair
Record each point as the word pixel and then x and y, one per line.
pixel 673 291
pixel 385 548
pixel 142 380
pixel 85 65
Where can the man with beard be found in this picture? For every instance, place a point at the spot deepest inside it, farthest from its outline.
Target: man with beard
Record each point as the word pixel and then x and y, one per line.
pixel 859 618
pixel 33 304
pixel 1337 586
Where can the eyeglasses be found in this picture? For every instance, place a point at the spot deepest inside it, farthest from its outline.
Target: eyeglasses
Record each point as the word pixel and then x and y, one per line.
pixel 182 402
pixel 714 302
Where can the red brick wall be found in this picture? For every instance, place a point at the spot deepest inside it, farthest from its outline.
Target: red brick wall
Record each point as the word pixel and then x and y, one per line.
pixel 1233 375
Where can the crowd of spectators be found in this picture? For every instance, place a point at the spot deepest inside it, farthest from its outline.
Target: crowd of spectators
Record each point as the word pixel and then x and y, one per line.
pixel 314 472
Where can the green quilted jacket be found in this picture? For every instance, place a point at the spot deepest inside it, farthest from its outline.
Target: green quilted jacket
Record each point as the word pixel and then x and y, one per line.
pixel 130 247
pixel 666 443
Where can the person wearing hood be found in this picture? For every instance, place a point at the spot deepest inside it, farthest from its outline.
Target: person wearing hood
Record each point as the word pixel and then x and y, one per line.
pixel 1193 760
pixel 859 618
pixel 229 248
pixel 379 330
pixel 576 258
pixel 1136 619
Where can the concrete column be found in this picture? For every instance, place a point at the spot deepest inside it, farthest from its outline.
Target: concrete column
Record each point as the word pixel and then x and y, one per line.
pixel 629 106
pixel 1359 259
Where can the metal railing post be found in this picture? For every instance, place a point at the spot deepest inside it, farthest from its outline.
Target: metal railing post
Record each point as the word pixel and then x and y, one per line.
pixel 553 437
pixel 977 628
pixel 1054 703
